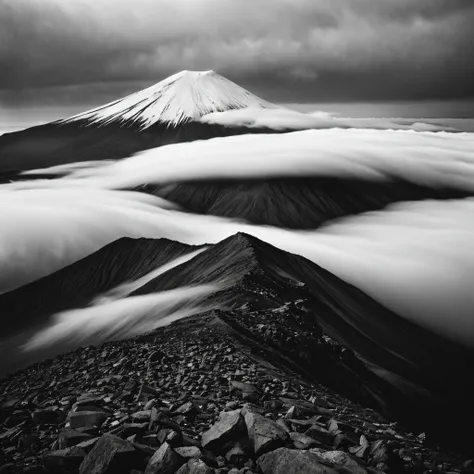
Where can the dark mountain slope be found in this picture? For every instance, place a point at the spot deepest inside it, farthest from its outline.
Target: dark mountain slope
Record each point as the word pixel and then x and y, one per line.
pixel 74 286
pixel 56 144
pixel 308 319
pixel 167 112
pixel 422 365
pixel 299 203
pixel 185 375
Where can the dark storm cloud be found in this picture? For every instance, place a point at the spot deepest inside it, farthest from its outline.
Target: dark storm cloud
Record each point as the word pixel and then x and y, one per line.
pixel 287 50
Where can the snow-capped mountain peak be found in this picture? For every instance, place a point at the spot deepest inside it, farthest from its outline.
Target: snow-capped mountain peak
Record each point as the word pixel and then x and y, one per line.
pixel 185 96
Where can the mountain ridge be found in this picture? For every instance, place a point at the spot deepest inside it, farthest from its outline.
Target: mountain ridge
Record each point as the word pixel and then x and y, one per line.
pixel 389 363
pixel 185 96
pixel 166 113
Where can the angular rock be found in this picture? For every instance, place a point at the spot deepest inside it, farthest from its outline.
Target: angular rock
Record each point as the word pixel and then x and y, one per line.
pixel 130 429
pixel 264 433
pixel 290 461
pixel 342 459
pixel 141 416
pixel 67 459
pixel 110 455
pixel 302 441
pixel 320 434
pixel 378 452
pixel 229 426
pixel 68 438
pixel 147 393
pixel 89 404
pixel 248 391
pixel 188 409
pixel 164 461
pixel 239 453
pixel 80 419
pixel 194 466
pixel 189 452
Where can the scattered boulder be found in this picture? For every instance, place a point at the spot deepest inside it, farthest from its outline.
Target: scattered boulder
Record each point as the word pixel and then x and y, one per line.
pixel 164 461
pixel 141 416
pixel 229 427
pixel 110 455
pixel 64 459
pixel 302 441
pixel 264 433
pixel 320 434
pixel 194 466
pixel 80 419
pixel 188 409
pixel 248 391
pixel 69 437
pixel 189 452
pixel 239 453
pixel 290 461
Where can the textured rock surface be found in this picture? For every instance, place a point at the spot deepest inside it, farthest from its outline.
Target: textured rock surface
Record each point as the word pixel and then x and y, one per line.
pixel 110 455
pixel 170 405
pixel 284 461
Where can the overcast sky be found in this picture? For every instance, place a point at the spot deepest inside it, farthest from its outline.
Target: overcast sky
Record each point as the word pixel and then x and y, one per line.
pixel 84 52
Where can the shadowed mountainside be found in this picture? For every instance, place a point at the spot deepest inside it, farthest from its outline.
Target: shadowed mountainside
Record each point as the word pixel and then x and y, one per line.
pixel 306 317
pixel 298 203
pixel 74 286
pixel 56 144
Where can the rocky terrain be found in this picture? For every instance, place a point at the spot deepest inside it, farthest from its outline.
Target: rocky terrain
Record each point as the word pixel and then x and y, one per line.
pixel 302 317
pixel 199 396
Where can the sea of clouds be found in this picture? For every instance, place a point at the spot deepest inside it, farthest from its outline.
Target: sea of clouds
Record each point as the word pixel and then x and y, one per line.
pixel 416 258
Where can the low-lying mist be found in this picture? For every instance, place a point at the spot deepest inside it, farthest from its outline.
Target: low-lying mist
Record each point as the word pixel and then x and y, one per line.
pixel 121 318
pixel 285 119
pixel 432 159
pixel 417 258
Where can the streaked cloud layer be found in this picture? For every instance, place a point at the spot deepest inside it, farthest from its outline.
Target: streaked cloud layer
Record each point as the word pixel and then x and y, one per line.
pixel 416 258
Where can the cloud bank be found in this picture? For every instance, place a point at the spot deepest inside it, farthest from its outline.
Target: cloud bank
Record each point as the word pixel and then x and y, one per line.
pixel 415 258
pixel 121 318
pixel 432 159
pixel 284 119
pixel 125 289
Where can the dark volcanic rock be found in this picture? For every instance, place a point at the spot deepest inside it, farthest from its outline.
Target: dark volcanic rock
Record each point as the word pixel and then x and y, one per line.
pixel 164 461
pixel 81 419
pixel 264 433
pixel 290 312
pixel 289 461
pixel 110 455
pixel 183 395
pixel 64 460
pixel 229 426
pixel 194 466
pixel 68 437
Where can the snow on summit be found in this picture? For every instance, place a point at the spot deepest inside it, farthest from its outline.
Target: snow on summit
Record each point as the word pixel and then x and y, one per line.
pixel 185 96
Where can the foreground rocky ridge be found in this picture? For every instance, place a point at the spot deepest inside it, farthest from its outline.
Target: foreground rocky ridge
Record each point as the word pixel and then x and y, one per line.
pixel 296 313
pixel 196 397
